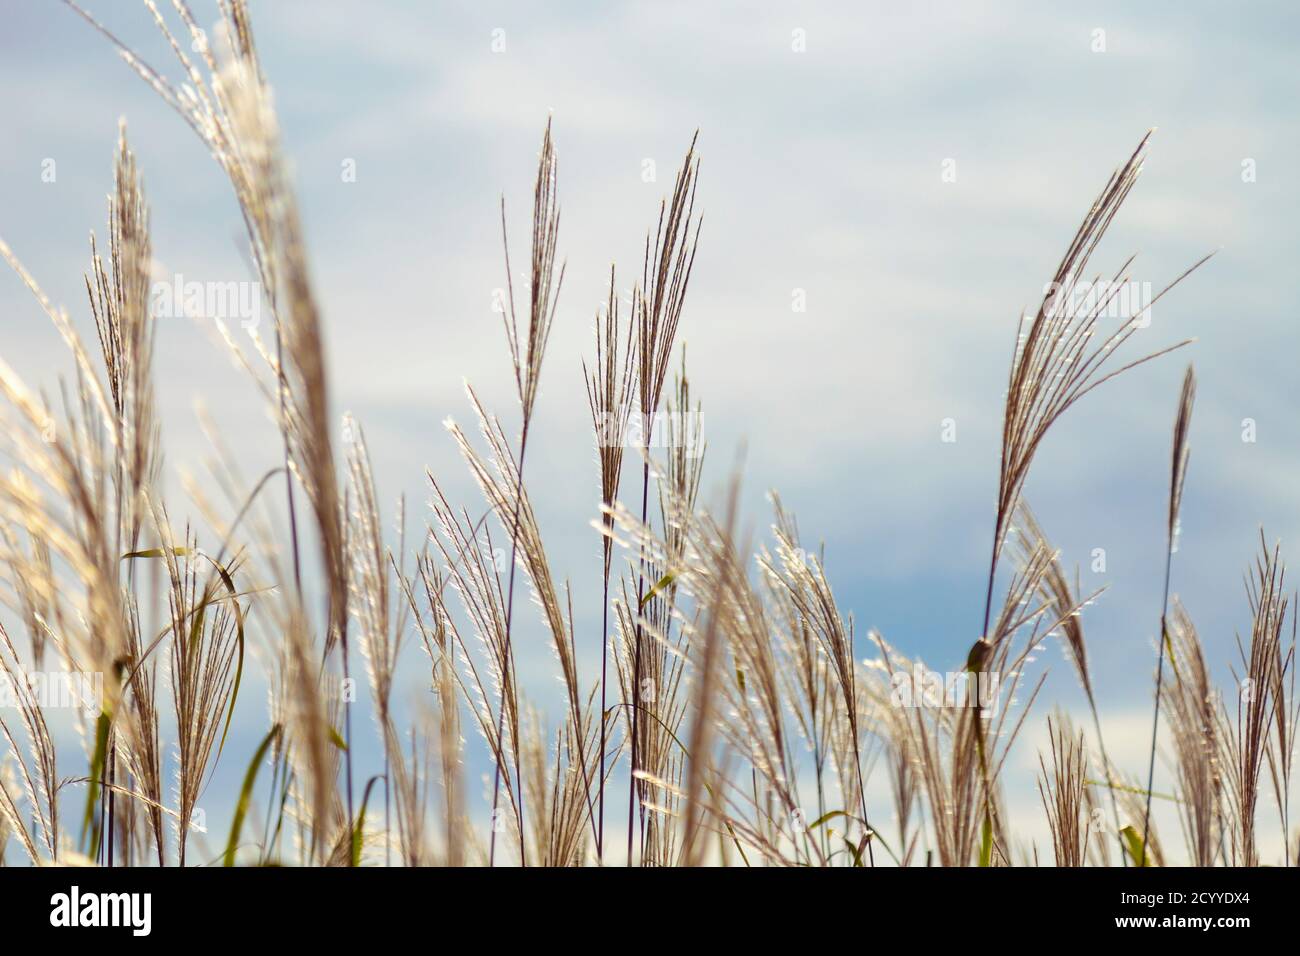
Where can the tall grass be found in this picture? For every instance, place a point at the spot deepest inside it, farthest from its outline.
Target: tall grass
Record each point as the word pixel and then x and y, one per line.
pixel 740 714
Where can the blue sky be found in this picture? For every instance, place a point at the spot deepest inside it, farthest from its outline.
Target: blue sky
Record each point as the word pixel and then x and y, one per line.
pixel 821 172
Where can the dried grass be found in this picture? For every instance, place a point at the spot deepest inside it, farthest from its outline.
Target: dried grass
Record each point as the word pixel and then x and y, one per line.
pixel 739 696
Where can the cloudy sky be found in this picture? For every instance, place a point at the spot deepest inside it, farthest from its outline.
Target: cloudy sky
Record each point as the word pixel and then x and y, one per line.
pixel 825 131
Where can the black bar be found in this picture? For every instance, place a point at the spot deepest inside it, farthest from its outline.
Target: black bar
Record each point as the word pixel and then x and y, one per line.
pixel 379 907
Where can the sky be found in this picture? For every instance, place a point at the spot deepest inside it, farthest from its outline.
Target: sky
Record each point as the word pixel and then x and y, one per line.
pixel 910 173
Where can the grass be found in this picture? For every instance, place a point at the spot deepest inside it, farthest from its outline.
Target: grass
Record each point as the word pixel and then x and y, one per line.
pixel 738 712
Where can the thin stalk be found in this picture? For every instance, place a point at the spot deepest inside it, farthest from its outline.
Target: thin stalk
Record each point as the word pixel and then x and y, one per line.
pixel 347 731
pixel 347 705
pixel 819 761
pixel 112 780
pixel 636 656
pixel 288 471
pixel 270 807
pixel 1155 720
pixel 103 804
pixel 604 667
pixel 1178 474
pixel 508 672
pixel 978 730
pixel 1114 804
pixel 993 570
pixel 857 759
pixel 388 844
